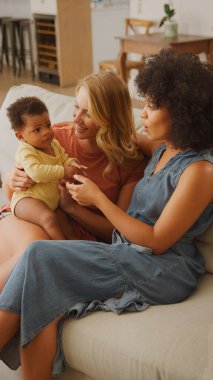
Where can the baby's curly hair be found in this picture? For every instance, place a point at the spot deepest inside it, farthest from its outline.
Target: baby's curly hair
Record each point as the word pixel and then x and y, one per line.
pixel 184 85
pixel 29 105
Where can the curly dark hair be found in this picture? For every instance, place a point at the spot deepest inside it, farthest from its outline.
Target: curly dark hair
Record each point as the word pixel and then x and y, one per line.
pixel 29 105
pixel 184 85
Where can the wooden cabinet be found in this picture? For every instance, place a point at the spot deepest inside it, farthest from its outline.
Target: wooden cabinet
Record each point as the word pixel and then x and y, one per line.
pixel 63 40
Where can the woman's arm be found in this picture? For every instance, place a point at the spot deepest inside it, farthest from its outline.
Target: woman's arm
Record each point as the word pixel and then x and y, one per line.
pixel 97 224
pixel 180 213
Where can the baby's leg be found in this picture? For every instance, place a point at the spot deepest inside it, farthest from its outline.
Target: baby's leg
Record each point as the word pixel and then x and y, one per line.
pixel 37 212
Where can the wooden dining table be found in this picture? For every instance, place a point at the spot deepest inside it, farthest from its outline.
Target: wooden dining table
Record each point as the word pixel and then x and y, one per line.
pixel 146 44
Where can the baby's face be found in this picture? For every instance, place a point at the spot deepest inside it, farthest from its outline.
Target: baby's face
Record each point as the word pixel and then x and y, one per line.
pixel 37 131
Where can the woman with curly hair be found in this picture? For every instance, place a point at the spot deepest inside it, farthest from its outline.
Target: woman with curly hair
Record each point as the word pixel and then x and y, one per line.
pixel 153 258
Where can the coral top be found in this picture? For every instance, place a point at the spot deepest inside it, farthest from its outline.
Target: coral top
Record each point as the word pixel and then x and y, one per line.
pixel 110 184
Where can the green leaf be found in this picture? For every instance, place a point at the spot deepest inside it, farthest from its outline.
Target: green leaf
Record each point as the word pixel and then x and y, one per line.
pixel 169 12
pixel 163 20
pixel 167 9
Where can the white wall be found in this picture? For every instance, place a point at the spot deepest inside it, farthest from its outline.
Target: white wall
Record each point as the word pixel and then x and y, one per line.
pixel 21 8
pixel 15 8
pixel 106 24
pixel 193 17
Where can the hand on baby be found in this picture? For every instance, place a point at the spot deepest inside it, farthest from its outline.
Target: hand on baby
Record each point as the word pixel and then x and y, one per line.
pixel 84 192
pixel 18 180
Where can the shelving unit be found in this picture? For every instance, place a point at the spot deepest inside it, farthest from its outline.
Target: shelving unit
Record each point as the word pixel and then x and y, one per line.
pixel 46 48
pixel 63 40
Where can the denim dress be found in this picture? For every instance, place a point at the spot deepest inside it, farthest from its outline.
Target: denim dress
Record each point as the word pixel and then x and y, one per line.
pixel 72 278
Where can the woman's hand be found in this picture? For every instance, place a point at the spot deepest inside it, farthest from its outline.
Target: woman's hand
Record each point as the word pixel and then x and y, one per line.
pixel 18 180
pixel 85 192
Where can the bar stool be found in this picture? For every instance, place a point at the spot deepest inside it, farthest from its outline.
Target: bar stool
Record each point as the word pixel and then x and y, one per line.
pixel 4 42
pixel 9 40
pixel 18 30
pixel 24 35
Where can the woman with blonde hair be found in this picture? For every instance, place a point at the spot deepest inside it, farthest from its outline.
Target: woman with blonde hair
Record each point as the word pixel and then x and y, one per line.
pixel 109 106
pixel 100 136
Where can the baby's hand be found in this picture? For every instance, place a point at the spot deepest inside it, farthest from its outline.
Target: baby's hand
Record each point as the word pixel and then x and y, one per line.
pixel 81 168
pixel 74 167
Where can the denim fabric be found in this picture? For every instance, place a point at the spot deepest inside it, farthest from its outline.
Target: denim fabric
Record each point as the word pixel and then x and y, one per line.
pixel 71 278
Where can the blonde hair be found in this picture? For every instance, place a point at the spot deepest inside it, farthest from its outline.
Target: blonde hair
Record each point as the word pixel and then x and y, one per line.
pixel 109 106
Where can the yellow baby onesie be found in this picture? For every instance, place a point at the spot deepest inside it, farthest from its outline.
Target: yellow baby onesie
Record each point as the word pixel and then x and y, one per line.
pixel 45 170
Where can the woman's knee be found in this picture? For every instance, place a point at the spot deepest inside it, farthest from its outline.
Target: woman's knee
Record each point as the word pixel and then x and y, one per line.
pixel 16 235
pixel 39 253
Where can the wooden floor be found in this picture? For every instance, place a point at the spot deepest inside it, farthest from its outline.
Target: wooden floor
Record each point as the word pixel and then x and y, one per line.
pixel 7 80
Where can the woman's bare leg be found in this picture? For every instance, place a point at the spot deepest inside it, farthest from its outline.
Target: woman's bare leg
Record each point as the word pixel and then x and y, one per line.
pixel 66 225
pixel 15 236
pixel 9 323
pixel 38 356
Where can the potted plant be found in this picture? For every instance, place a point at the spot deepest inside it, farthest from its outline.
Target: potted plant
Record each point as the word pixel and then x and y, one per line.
pixel 170 26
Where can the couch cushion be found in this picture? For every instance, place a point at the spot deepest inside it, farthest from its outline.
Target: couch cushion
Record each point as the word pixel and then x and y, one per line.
pixel 172 342
pixel 72 374
pixel 7 374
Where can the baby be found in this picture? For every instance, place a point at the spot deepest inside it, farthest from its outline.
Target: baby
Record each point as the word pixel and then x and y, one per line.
pixel 44 160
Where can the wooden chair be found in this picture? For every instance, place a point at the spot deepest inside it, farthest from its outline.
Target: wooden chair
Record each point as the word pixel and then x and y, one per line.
pixel 132 26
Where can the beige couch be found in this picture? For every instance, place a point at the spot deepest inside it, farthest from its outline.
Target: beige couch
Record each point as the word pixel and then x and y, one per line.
pixel 169 342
